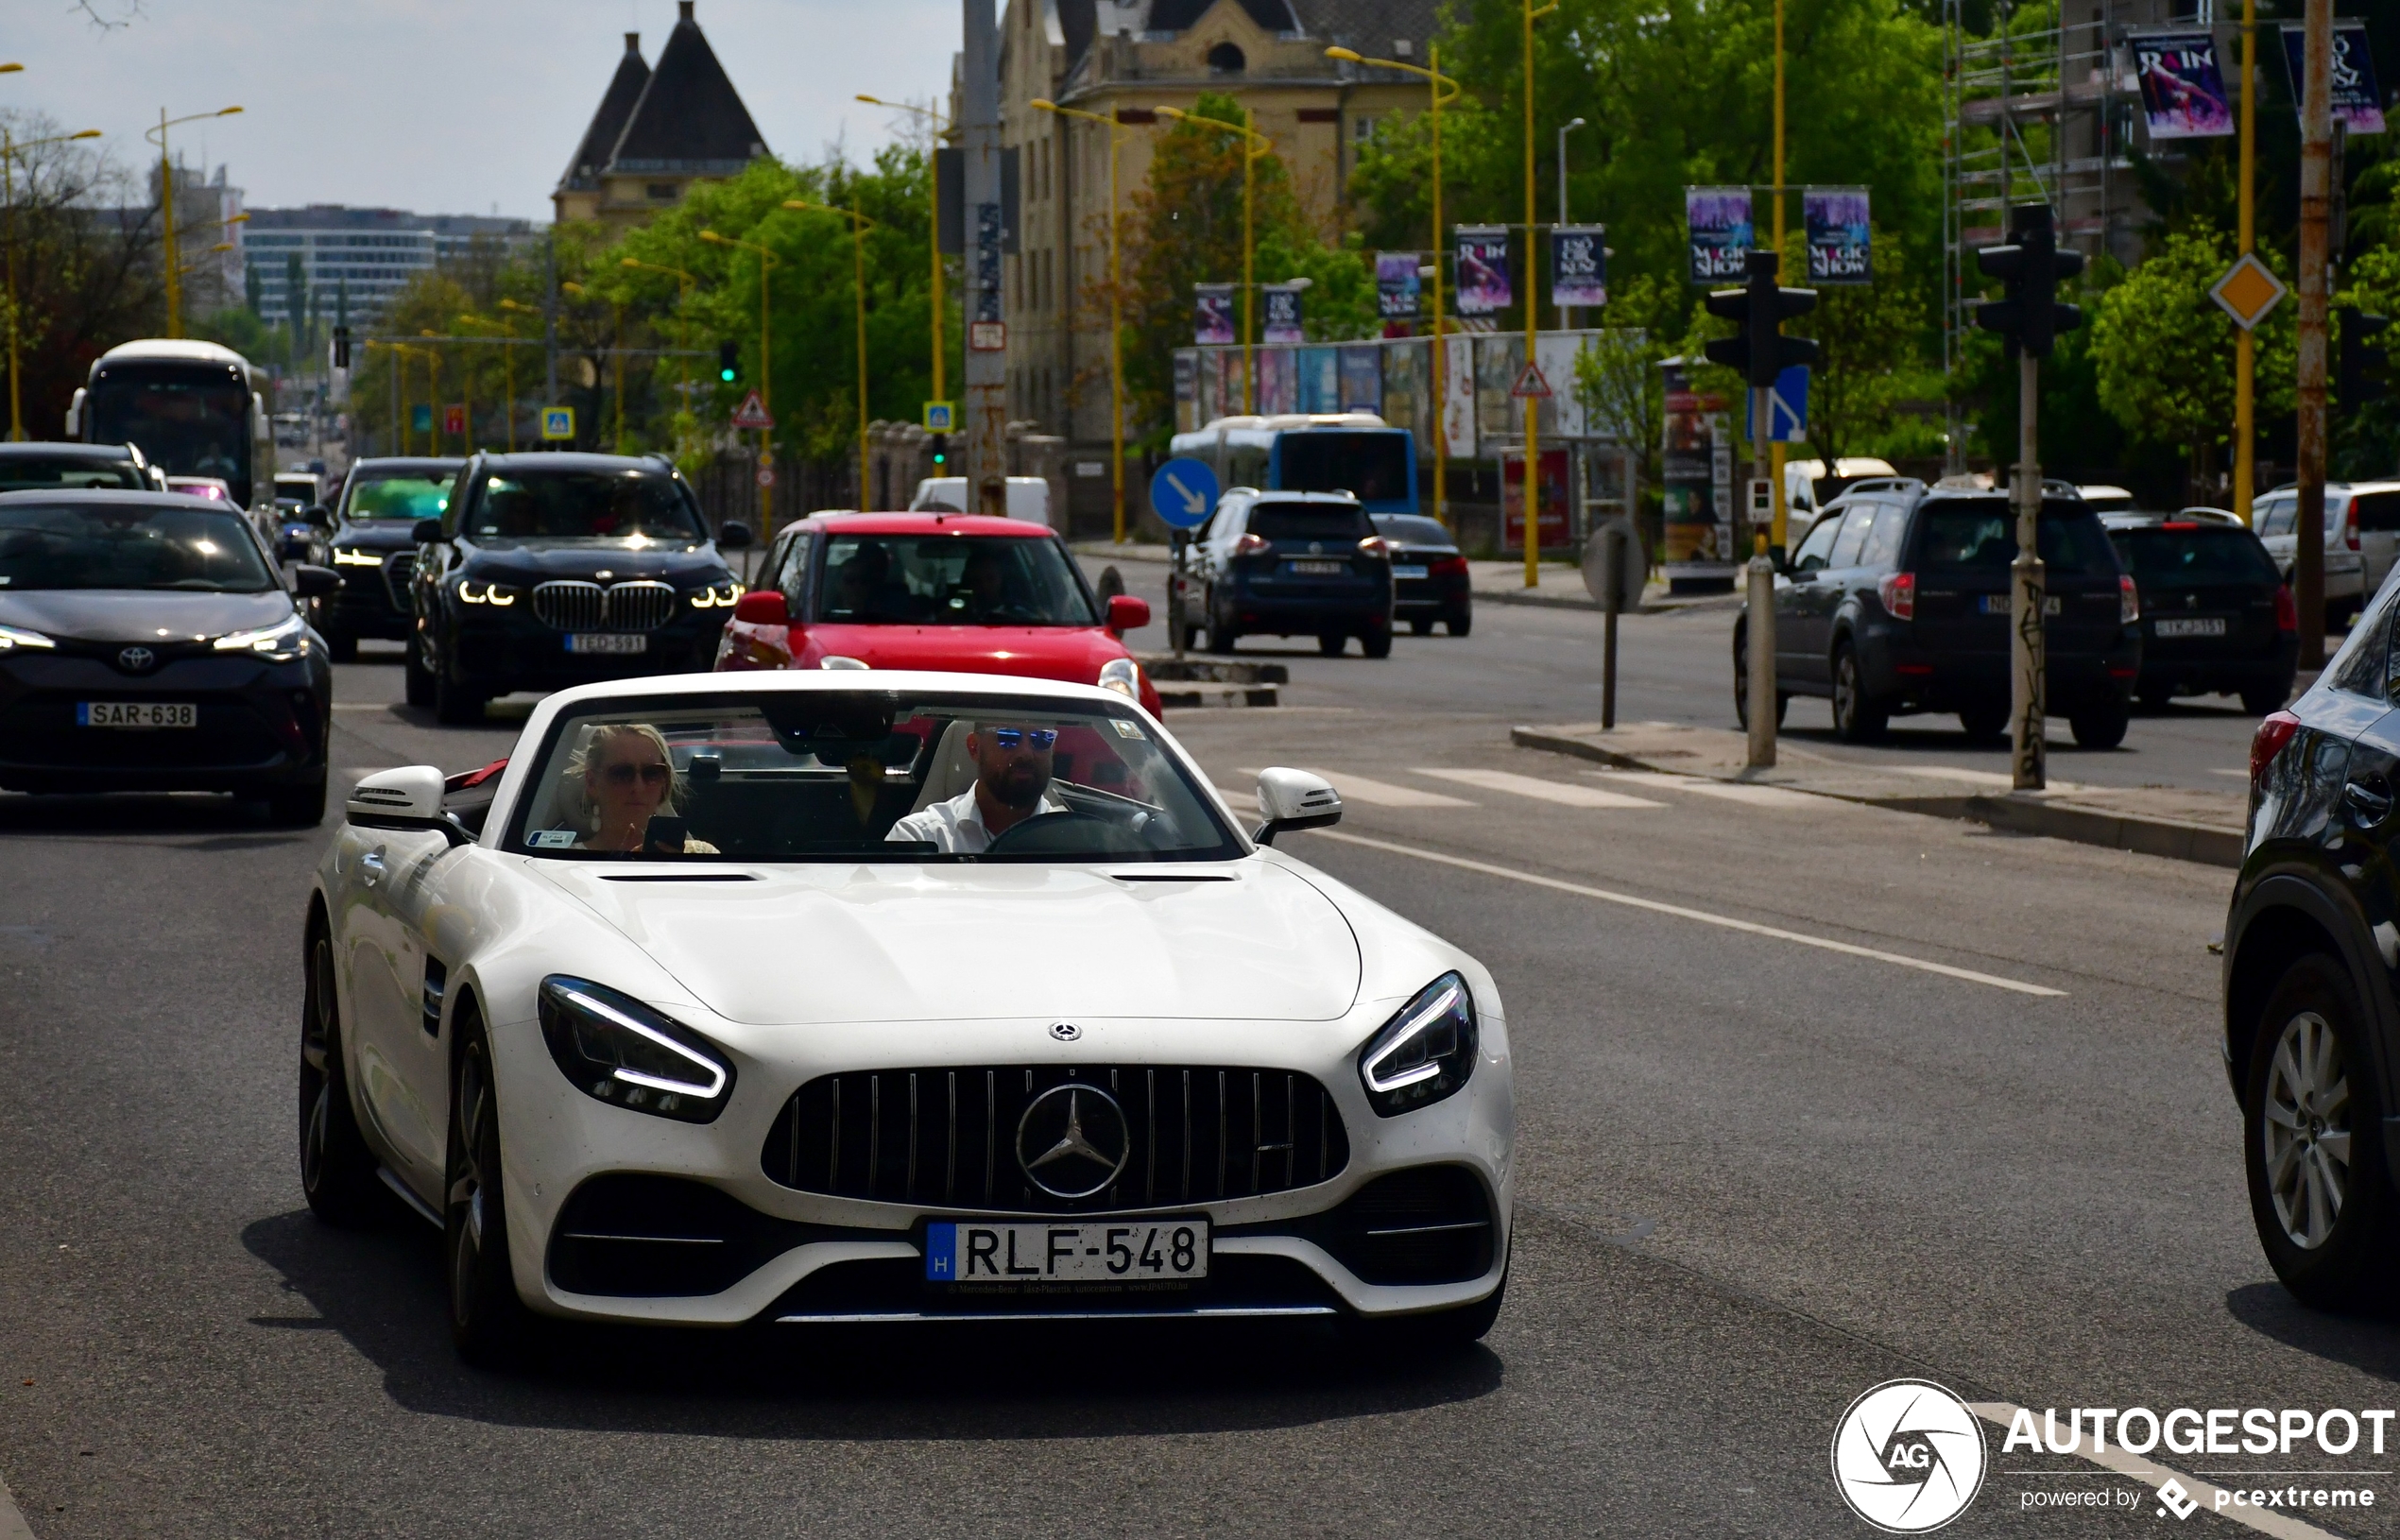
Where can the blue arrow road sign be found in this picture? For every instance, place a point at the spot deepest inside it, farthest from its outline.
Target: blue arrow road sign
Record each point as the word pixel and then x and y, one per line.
pixel 1787 407
pixel 1184 492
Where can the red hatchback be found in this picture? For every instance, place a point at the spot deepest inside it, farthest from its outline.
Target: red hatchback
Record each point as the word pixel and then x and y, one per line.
pixel 927 590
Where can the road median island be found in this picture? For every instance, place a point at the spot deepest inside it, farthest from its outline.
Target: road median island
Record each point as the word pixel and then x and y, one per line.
pixel 2182 825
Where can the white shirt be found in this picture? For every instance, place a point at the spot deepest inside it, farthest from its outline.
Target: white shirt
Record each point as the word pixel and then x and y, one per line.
pixel 956 827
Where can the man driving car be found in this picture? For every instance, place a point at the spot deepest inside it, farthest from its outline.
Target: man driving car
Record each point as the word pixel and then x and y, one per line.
pixel 1012 775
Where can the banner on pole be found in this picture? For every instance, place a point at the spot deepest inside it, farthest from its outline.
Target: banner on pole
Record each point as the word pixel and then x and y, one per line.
pixel 2356 99
pixel 1283 313
pixel 1483 289
pixel 2183 92
pixel 1213 315
pixel 1841 241
pixel 1397 286
pixel 1718 222
pixel 1578 266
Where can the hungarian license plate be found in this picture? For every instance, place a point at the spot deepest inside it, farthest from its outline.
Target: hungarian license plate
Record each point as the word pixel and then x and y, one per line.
pixel 1104 1252
pixel 618 643
pixel 1410 571
pixel 2205 626
pixel 1316 568
pixel 136 713
pixel 1999 603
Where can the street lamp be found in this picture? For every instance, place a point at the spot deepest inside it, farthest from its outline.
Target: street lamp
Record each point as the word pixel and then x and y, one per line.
pixel 860 225
pixel 1118 134
pixel 1444 90
pixel 1533 321
pixel 508 324
pixel 934 228
pixel 9 148
pixel 1256 147
pixel 1564 130
pixel 401 351
pixel 682 340
pixel 167 199
pixel 767 263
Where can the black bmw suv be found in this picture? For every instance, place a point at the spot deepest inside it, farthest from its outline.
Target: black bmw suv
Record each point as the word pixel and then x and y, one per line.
pixel 374 547
pixel 547 570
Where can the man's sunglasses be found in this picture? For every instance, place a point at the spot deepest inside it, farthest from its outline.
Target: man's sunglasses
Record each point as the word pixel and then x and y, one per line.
pixel 649 775
pixel 1033 737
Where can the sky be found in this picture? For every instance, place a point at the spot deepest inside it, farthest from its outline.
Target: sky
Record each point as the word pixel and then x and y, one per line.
pixel 448 106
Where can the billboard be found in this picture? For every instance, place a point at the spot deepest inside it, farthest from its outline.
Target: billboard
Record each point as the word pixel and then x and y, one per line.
pixel 1482 270
pixel 1578 265
pixel 2183 92
pixel 1213 315
pixel 1557 515
pixel 1283 313
pixel 1397 286
pixel 1718 220
pixel 2356 100
pixel 1841 244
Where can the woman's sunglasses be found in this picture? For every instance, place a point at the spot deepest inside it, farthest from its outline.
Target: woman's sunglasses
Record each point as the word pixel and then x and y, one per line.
pixel 649 775
pixel 1036 737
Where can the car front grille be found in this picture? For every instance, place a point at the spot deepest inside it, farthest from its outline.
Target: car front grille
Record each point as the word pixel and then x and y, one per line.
pixel 575 606
pixel 948 1136
pixel 398 568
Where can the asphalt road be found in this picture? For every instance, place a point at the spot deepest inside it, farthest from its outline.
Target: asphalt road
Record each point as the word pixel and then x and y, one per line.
pixel 1812 1096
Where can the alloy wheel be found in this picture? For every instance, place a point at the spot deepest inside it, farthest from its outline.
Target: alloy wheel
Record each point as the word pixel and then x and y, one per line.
pixel 2304 1130
pixel 316 1081
pixel 471 1110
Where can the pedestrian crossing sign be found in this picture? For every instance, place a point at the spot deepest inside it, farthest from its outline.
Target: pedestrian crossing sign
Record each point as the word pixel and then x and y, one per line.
pixel 941 417
pixel 558 422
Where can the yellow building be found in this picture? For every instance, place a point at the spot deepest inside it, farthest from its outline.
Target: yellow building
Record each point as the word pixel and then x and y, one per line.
pixel 657 132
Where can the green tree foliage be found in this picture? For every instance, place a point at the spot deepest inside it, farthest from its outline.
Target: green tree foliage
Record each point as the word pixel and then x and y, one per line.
pixel 2163 353
pixel 2367 433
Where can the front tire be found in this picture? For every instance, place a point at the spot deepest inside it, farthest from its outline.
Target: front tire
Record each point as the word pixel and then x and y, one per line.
pixel 455 705
pixel 419 679
pixel 341 646
pixel 337 1170
pixel 2101 729
pixel 2312 1126
pixel 488 1321
pixel 1857 719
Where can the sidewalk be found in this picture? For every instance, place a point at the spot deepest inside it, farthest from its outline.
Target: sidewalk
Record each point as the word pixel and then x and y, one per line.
pixel 2183 825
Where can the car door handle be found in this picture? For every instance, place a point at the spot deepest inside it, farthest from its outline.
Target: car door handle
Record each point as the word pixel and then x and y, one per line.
pixel 370 867
pixel 2370 800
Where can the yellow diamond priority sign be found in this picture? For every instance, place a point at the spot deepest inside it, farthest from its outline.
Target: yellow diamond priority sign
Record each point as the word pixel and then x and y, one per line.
pixel 2248 291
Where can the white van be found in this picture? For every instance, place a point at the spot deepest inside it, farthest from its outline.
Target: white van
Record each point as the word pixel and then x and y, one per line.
pixel 1808 487
pixel 1028 498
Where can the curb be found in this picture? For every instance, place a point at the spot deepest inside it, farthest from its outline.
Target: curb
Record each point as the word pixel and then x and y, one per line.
pixel 1649 606
pixel 2014 811
pixel 1218 695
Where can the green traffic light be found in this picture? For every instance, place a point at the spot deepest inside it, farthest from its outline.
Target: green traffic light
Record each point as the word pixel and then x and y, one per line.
pixel 727 375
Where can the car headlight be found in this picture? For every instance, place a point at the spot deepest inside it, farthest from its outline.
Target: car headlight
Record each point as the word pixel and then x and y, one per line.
pixel 498 594
pixel 1424 1053
pixel 837 661
pixel 357 558
pixel 619 1050
pixel 717 595
pixel 1122 676
pixel 13 637
pixel 280 643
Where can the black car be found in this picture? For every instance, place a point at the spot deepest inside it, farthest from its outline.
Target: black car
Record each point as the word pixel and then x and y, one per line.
pixel 547 570
pixel 2312 1023
pixel 2217 618
pixel 45 468
pixel 1428 573
pixel 1289 564
pixel 149 642
pixel 374 547
pixel 1901 603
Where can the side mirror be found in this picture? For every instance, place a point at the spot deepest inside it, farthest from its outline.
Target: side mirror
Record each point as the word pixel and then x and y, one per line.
pixel 1289 800
pixel 316 582
pixel 1127 613
pixel 407 799
pixel 426 532
pixel 319 514
pixel 763 607
pixel 733 535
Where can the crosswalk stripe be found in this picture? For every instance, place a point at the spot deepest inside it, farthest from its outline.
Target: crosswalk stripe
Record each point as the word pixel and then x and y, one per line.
pixel 1545 791
pixel 1757 796
pixel 1382 794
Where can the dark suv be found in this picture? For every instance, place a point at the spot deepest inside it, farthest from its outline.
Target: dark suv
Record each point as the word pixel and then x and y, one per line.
pixel 1898 602
pixel 374 547
pixel 1290 564
pixel 2311 1027
pixel 547 570
pixel 2216 616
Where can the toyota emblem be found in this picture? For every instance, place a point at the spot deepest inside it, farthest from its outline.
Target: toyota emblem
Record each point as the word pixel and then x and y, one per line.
pixel 1073 1140
pixel 136 660
pixel 1066 1031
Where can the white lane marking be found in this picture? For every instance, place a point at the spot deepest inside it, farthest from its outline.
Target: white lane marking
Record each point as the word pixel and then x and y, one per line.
pixel 1757 796
pixel 1544 791
pixel 13 1524
pixel 1752 928
pixel 1382 794
pixel 2211 1497
pixel 1243 801
pixel 2238 775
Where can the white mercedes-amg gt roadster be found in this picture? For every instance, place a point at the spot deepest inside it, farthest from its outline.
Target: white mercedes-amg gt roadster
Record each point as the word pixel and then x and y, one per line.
pixel 868 997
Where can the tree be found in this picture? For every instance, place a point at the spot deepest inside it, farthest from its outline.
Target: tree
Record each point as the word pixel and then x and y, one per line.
pixel 1871 337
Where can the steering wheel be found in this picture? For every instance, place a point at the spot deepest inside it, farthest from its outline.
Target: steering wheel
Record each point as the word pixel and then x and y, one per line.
pixel 1066 833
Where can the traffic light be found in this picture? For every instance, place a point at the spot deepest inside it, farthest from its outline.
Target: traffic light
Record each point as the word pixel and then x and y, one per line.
pixel 2364 373
pixel 341 347
pixel 729 361
pixel 941 451
pixel 1759 349
pixel 2031 315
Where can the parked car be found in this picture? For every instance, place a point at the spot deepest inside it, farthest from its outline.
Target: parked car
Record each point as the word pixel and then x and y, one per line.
pixel 2276 517
pixel 1428 573
pixel 374 547
pixel 149 642
pixel 41 468
pixel 547 570
pixel 2311 1022
pixel 1288 564
pixel 1028 498
pixel 2104 499
pixel 922 591
pixel 1901 605
pixel 2217 618
pixel 2371 518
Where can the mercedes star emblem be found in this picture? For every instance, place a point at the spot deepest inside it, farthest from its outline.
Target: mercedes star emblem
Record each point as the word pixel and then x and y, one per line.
pixel 1066 1031
pixel 136 660
pixel 1073 1140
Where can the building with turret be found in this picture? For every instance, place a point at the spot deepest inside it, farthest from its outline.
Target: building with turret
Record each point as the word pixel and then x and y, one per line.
pixel 658 129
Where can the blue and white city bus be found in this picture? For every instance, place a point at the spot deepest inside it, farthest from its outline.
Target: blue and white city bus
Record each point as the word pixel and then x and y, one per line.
pixel 1335 451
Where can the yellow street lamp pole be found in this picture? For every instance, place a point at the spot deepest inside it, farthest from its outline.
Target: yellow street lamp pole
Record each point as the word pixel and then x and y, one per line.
pixel 2245 359
pixel 1533 270
pixel 1444 90
pixel 1256 147
pixel 860 225
pixel 767 263
pixel 433 387
pixel 509 355
pixel 934 228
pixel 1118 134
pixel 616 352
pixel 9 148
pixel 683 339
pixel 166 200
pixel 1775 450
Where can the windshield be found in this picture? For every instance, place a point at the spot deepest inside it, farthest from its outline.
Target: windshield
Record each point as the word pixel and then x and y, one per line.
pixel 1981 536
pixel 949 580
pixel 2205 553
pixel 49 472
pixel 1371 467
pixel 634 506
pixel 196 549
pixel 398 497
pixel 864 775
pixel 1308 521
pixel 1411 528
pixel 190 421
